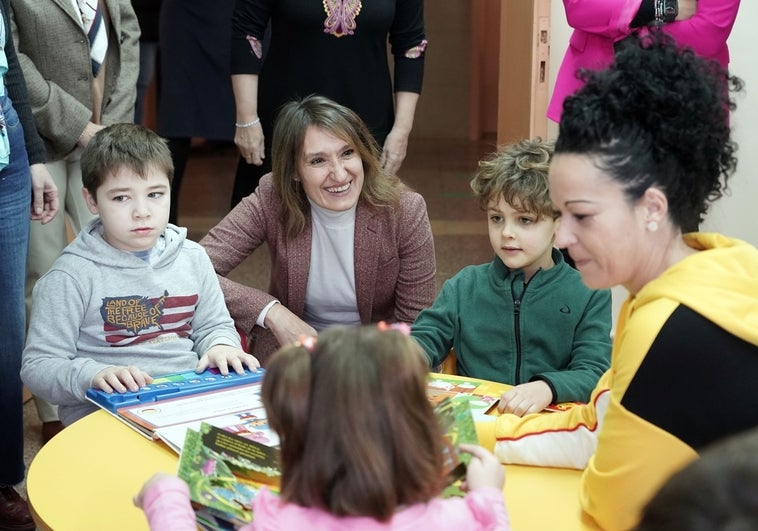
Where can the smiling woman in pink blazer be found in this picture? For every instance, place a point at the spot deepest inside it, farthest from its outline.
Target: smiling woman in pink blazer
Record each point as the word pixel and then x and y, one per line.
pixel 349 244
pixel 703 25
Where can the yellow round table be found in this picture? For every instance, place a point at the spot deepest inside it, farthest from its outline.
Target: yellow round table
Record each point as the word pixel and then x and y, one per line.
pixel 86 476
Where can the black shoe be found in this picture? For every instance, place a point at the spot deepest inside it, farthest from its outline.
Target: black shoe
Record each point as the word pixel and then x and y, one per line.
pixel 14 511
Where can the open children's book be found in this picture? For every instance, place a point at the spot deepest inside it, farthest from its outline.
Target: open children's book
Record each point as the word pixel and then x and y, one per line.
pixel 224 473
pixel 457 422
pixel 170 404
pixel 483 395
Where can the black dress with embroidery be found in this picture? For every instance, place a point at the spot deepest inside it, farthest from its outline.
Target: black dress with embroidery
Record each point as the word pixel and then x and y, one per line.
pixel 336 48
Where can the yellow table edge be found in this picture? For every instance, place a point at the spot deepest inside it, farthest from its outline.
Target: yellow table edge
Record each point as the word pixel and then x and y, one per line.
pixel 86 476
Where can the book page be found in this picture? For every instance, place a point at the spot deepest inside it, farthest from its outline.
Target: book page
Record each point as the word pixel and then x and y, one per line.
pixel 214 489
pixel 194 408
pixel 481 399
pixel 250 424
pixel 457 422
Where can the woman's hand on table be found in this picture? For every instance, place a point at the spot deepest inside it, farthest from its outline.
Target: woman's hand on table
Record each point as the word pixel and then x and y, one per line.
pixel 226 358
pixel 484 469
pixel 286 326
pixel 526 398
pixel 119 379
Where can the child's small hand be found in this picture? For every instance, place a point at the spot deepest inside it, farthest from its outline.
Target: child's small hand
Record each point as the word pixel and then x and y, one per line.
pixel 484 469
pixel 225 357
pixel 526 398
pixel 158 476
pixel 120 379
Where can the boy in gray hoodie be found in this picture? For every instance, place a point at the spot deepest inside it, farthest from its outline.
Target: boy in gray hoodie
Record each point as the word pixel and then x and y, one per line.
pixel 130 298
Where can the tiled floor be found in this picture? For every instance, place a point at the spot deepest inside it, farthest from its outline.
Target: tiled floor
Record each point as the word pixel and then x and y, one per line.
pixel 438 169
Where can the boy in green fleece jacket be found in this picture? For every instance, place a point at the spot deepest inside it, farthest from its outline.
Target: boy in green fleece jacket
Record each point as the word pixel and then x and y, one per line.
pixel 525 319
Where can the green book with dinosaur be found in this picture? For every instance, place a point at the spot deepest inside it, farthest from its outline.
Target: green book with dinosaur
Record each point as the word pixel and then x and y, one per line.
pixel 224 473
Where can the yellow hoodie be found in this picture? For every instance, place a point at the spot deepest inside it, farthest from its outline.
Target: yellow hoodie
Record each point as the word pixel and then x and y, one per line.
pixel 683 371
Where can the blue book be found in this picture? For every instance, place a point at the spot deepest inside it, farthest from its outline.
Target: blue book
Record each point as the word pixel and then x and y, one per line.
pixel 182 398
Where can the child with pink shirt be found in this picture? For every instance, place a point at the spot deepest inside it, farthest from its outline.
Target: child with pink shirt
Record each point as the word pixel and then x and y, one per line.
pixel 360 445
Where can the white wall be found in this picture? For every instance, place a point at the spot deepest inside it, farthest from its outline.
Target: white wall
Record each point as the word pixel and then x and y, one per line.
pixel 736 214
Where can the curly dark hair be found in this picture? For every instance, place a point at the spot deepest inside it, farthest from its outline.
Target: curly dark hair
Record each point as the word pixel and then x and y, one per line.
pixel 658 116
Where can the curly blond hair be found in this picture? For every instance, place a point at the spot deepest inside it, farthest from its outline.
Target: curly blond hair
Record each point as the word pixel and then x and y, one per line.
pixel 518 173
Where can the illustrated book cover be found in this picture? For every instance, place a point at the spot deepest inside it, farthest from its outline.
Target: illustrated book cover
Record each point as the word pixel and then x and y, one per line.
pixel 482 397
pixel 224 473
pixel 457 422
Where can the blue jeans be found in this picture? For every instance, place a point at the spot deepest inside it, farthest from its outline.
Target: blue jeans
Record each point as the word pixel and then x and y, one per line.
pixel 15 205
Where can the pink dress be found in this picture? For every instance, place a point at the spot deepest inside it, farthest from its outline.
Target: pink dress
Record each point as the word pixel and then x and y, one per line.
pixel 599 24
pixel 166 505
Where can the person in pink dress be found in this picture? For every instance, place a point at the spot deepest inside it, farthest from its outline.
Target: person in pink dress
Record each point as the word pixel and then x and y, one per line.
pixel 703 25
pixel 360 445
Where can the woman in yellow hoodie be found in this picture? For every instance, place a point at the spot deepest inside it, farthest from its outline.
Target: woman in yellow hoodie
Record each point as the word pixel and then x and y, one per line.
pixel 642 150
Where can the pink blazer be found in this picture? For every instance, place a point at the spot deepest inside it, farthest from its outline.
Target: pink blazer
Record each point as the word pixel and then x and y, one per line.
pixel 395 265
pixel 599 24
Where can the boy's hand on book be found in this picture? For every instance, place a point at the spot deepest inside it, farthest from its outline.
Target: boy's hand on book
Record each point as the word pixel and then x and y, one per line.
pixel 226 358
pixel 121 379
pixel 484 469
pixel 526 398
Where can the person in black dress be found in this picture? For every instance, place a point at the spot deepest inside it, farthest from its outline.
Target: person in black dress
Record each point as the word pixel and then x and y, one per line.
pixel 335 48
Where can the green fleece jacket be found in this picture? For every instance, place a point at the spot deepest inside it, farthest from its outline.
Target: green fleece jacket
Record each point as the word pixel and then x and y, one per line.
pixel 553 328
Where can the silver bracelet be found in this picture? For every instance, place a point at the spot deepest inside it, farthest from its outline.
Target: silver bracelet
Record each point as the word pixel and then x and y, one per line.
pixel 247 124
pixel 658 5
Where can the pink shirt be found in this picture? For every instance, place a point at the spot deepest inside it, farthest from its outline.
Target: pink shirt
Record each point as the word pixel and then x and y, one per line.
pixel 599 24
pixel 166 505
